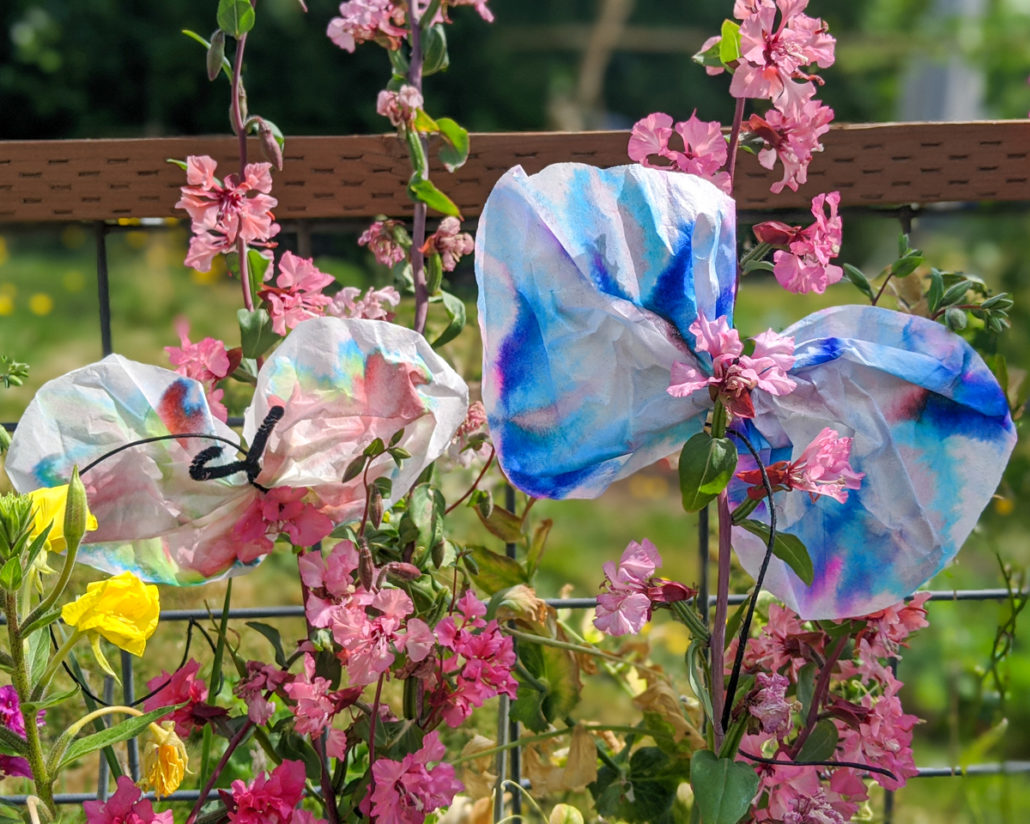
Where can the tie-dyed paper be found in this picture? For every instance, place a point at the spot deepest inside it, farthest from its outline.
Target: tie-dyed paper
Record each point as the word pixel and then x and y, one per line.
pixel 589 280
pixel 342 384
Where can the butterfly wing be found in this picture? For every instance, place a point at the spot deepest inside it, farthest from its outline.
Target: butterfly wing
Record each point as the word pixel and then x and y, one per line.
pixel 343 383
pixel 152 517
pixel 931 431
pixel 588 282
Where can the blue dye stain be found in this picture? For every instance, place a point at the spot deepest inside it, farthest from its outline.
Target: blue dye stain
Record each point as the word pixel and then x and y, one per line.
pixel 948 417
pixel 603 278
pixel 520 360
pixel 816 352
pixel 672 296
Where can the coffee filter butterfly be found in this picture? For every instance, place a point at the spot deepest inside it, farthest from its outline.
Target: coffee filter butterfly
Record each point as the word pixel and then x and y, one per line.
pixel 589 282
pixel 329 389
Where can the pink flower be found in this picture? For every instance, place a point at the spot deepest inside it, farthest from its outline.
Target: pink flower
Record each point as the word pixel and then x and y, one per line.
pixel 770 705
pixel 223 213
pixel 364 20
pixel 884 739
pixel 297 294
pixel 823 468
pixel 703 153
pixel 632 590
pixel 792 137
pixel 806 266
pixel 175 689
pixel 315 708
pixel 777 646
pixel 377 304
pixel 126 806
pixel 206 361
pixel 269 798
pixel 368 642
pixel 450 243
pixel 891 626
pixel 471 440
pixel 406 791
pixel 281 509
pixel 382 240
pixel 261 679
pixel 734 374
pixel 11 717
pixel 480 6
pixel 400 106
pixel 772 56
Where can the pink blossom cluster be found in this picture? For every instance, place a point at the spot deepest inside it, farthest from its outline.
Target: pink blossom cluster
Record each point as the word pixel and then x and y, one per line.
pixel 802 263
pixel 823 468
pixel 381 239
pixel 271 798
pixel 861 699
pixel 400 106
pixel 631 590
pixel 475 664
pixel 734 374
pixel 360 21
pixel 297 293
pixel 224 212
pixel 471 441
pixel 450 243
pixel 207 361
pixel 182 686
pixel 375 304
pixel 693 146
pixel 281 509
pixel 126 806
pixel 407 791
pixel 258 688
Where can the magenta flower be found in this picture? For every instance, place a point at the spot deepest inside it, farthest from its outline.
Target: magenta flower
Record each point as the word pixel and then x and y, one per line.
pixel 806 266
pixel 772 56
pixel 406 791
pixel 182 686
pixel 315 707
pixel 632 590
pixel 255 690
pixel 381 239
pixel 126 806
pixel 269 799
pixel 369 642
pixel 823 468
pixel 450 243
pixel 364 20
pixel 734 374
pixel 221 213
pixel 11 717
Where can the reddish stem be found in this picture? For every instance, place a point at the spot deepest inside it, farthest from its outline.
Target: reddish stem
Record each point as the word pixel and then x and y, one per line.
pixel 475 483
pixel 418 233
pixel 822 686
pixel 738 119
pixel 718 640
pixel 236 112
pixel 234 742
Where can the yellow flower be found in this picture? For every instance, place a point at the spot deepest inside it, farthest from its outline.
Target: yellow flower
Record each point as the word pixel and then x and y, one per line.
pixel 122 609
pixel 48 507
pixel 165 762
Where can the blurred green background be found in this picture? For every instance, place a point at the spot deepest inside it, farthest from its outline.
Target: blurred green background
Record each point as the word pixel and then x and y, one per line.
pixel 73 69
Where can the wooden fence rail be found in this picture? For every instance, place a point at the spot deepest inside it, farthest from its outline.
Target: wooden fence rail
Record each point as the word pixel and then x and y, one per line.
pixel 361 176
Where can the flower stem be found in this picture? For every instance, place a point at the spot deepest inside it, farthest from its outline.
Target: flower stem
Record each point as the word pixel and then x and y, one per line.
pixel 718 642
pixel 41 778
pixel 58 659
pixel 236 113
pixel 475 483
pixel 418 229
pixel 822 686
pixel 738 119
pixel 233 744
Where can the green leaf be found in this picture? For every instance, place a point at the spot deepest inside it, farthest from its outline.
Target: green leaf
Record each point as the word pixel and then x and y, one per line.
pixel 53 700
pixel 723 788
pixel 11 743
pixel 122 731
pixel 504 524
pixel 399 63
pixel 426 512
pixel 821 742
pixel 536 545
pixel 495 571
pixel 455 150
pixel 695 675
pixel 455 308
pixel 709 57
pixel 424 123
pixel 273 637
pixel 788 548
pixel 956 292
pixel 235 17
pixel 806 687
pixel 549 687
pixel 858 279
pixel 176 162
pixel 903 267
pixel 375 448
pixel 935 292
pixel 434 50
pixel 256 333
pixel 434 273
pixel 11 574
pixel 425 191
pixel 706 466
pixel 729 45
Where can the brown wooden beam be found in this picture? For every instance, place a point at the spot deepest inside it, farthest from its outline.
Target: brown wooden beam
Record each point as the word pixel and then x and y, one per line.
pixel 358 177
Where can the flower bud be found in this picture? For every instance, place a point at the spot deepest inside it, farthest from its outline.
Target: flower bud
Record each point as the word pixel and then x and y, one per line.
pixel 76 513
pixel 165 761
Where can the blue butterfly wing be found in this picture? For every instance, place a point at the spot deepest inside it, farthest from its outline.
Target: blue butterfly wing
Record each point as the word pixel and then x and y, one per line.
pixel 588 282
pixel 931 431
